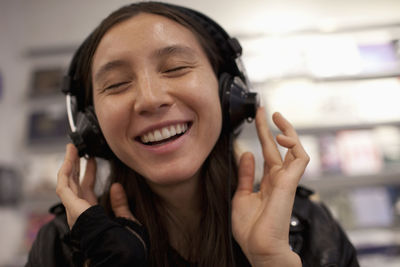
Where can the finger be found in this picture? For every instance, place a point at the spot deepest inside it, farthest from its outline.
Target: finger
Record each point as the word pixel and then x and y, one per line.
pixel 77 165
pixel 284 125
pixel 289 157
pixel 288 143
pixel 290 138
pixel 89 179
pixel 119 202
pixel 63 189
pixel 71 157
pixel 246 174
pixel 64 174
pixel 270 151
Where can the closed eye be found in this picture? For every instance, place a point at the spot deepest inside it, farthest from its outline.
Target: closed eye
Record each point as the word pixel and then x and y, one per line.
pixel 176 69
pixel 116 85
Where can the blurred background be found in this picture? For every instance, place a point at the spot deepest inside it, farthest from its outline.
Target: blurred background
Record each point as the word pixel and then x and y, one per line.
pixel 331 67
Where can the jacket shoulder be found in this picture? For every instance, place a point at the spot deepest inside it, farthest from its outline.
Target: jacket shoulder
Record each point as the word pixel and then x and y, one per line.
pixel 51 247
pixel 320 240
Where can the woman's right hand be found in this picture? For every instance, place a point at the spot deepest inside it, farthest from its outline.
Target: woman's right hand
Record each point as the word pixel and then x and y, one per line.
pixel 78 197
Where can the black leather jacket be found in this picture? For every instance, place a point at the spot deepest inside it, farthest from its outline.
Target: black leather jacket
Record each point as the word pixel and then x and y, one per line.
pixel 314 235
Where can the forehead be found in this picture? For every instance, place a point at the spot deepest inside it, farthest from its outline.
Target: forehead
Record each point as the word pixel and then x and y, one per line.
pixel 142 34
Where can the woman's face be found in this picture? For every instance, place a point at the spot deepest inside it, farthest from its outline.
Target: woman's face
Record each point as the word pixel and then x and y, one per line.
pixel 156 98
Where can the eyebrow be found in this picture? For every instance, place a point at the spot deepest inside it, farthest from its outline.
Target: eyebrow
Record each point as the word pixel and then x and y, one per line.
pixel 176 50
pixel 114 64
pixel 171 50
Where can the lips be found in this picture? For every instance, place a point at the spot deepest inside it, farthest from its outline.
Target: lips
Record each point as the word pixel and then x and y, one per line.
pixel 164 134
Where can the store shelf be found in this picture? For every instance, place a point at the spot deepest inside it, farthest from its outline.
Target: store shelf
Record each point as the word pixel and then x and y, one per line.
pixel 335 128
pixel 322 79
pixel 378 237
pixel 390 176
pixel 357 77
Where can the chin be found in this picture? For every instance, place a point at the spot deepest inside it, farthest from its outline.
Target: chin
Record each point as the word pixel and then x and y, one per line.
pixel 171 177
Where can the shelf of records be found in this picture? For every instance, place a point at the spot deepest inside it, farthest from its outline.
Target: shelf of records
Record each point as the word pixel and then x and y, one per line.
pixel 370 216
pixel 350 128
pixel 354 157
pixel 341 156
pixel 377 247
pixel 366 208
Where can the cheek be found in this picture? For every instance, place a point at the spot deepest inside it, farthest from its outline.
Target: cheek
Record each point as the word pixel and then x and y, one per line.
pixel 111 118
pixel 209 101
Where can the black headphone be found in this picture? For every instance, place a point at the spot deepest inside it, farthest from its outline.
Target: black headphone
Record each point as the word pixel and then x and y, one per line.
pixel 237 102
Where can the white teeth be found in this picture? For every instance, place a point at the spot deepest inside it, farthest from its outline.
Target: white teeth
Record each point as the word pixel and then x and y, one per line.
pixel 150 137
pixel 178 129
pixel 172 130
pixel 157 135
pixel 164 133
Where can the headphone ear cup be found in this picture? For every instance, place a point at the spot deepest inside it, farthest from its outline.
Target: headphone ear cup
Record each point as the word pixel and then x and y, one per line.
pixel 88 137
pixel 238 104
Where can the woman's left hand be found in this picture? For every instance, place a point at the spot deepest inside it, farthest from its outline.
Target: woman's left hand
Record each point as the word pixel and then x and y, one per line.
pixel 261 220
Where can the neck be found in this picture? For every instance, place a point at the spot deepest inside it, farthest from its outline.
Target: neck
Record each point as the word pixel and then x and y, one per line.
pixel 181 203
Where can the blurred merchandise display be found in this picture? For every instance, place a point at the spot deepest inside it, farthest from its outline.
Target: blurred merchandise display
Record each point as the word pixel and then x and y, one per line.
pixel 310 144
pixel 329 154
pixel 358 152
pixel 10 186
pixel 46 81
pixel 372 207
pixel 388 139
pixel 47 126
pixel 341 91
pixel 352 152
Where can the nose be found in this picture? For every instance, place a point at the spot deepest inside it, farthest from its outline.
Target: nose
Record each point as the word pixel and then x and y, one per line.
pixel 151 95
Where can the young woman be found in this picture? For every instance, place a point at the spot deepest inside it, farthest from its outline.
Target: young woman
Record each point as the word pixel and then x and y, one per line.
pixel 150 82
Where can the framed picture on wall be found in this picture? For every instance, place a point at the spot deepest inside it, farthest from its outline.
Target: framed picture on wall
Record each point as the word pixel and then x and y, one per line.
pixel 47 126
pixel 10 186
pixel 46 81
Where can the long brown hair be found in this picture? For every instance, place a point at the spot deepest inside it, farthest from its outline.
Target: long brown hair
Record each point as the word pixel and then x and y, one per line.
pixel 211 247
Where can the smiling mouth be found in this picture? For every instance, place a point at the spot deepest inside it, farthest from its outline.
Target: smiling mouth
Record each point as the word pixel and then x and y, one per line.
pixel 164 135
